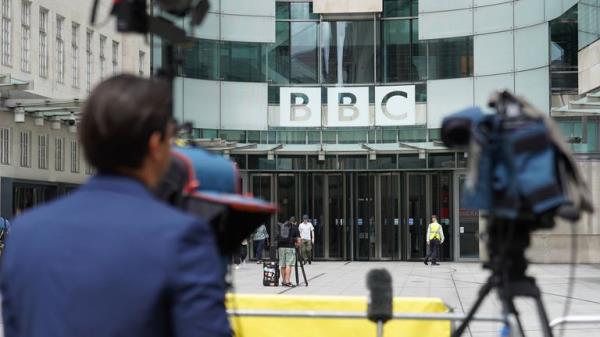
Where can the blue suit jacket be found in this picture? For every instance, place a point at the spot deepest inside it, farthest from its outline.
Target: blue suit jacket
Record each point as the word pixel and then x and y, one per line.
pixel 110 260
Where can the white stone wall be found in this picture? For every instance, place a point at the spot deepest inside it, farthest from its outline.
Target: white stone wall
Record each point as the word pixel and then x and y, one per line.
pixel 15 170
pixel 555 245
pixel 74 12
pixel 589 68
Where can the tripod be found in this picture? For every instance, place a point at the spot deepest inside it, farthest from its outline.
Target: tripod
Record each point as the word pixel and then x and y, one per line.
pixel 299 258
pixel 506 244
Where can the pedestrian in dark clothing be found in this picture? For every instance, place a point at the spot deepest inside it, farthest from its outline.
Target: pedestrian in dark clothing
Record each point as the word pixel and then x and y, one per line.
pixel 110 259
pixel 260 238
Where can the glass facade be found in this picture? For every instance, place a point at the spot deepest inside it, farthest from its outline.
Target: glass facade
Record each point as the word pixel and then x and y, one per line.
pixel 348 51
pixel 311 50
pixel 563 52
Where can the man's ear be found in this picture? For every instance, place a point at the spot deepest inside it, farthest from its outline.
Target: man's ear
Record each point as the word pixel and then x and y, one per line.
pixel 154 144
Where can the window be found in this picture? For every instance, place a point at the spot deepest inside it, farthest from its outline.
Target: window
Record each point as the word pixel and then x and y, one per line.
pixel 102 56
pixel 43 43
pixel 400 8
pixel 60 50
pixel 347 52
pixel 202 60
pixel 59 154
pixel 5 146
pixel 115 56
pixel 397 63
pixel 294 56
pixel 25 35
pixel 6 32
pixel 450 58
pixel 75 54
pixel 43 152
pixel 88 60
pixel 74 156
pixel 25 148
pixel 89 169
pixel 141 63
pixel 242 61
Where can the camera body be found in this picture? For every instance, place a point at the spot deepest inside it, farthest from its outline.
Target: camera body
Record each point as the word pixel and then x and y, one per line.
pixel 515 169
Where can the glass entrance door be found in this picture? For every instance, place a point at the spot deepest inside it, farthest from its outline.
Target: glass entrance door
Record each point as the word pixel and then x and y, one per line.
pixel 364 220
pixel 336 217
pixel 389 215
pixel 441 189
pixel 468 227
pixel 287 191
pixel 416 215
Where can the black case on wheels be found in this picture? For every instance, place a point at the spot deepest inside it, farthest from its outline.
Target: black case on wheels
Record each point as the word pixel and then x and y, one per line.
pixel 271 274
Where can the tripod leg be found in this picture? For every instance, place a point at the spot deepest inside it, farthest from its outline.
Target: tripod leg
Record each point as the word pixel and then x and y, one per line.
pixel 296 273
pixel 304 274
pixel 543 317
pixel 483 292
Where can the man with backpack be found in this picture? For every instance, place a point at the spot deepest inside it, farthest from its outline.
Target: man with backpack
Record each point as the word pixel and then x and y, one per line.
pixel 288 240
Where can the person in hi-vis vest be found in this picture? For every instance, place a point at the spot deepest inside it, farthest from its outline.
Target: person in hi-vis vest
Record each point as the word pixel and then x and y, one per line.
pixel 435 237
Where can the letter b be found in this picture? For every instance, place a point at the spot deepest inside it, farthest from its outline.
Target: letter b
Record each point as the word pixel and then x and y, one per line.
pixel 299 112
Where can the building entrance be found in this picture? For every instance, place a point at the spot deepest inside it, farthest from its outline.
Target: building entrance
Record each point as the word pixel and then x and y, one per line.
pixel 362 215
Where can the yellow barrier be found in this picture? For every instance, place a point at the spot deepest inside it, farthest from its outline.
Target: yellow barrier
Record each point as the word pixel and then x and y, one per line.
pixel 331 327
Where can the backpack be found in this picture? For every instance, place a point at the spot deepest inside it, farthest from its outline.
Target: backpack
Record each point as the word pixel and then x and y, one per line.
pixel 285 232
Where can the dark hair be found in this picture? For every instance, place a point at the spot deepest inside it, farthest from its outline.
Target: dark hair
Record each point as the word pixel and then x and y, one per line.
pixel 118 119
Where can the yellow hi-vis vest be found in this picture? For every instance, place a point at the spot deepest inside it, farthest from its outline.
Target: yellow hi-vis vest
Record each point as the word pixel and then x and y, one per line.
pixel 434 231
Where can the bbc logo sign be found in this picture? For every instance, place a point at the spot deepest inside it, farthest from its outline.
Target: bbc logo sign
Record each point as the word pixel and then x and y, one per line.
pixel 347 106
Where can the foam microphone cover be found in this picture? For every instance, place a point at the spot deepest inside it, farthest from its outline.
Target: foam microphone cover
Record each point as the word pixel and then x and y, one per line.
pixel 379 284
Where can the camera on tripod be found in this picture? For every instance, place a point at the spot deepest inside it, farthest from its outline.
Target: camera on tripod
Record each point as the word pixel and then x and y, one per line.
pixel 519 166
pixel 521 172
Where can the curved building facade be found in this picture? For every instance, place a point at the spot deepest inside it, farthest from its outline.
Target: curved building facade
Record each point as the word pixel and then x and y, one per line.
pixel 335 111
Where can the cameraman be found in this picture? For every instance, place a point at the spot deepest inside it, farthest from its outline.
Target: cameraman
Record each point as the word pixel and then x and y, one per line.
pixel 110 259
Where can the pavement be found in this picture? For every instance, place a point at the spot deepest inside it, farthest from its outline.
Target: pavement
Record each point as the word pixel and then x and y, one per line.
pixel 457 284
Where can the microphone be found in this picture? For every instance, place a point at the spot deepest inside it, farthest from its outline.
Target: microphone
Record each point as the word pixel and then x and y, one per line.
pixel 379 283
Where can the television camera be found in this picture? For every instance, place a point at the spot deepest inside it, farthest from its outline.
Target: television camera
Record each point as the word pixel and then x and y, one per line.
pixel 522 175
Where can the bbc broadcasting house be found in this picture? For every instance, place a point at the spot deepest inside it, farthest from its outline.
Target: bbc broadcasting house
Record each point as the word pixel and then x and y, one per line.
pixel 333 109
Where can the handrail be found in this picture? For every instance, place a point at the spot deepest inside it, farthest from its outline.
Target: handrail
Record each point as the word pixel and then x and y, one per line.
pixel 573 319
pixel 357 315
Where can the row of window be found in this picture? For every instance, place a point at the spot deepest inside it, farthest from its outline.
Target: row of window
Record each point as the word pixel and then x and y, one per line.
pixel 43 151
pixel 333 52
pixel 446 160
pixel 341 136
pixel 60 46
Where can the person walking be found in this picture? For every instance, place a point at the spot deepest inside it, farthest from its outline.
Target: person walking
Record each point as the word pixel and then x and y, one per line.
pixel 307 235
pixel 287 241
pixel 435 237
pixel 260 238
pixel 110 259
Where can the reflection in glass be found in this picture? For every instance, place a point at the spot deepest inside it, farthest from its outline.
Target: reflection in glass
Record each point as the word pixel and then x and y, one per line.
pixel 396 51
pixel 451 58
pixel 282 10
pixel 293 57
pixel 419 54
pixel 399 8
pixel 302 11
pixel 201 60
pixel 348 54
pixel 242 62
